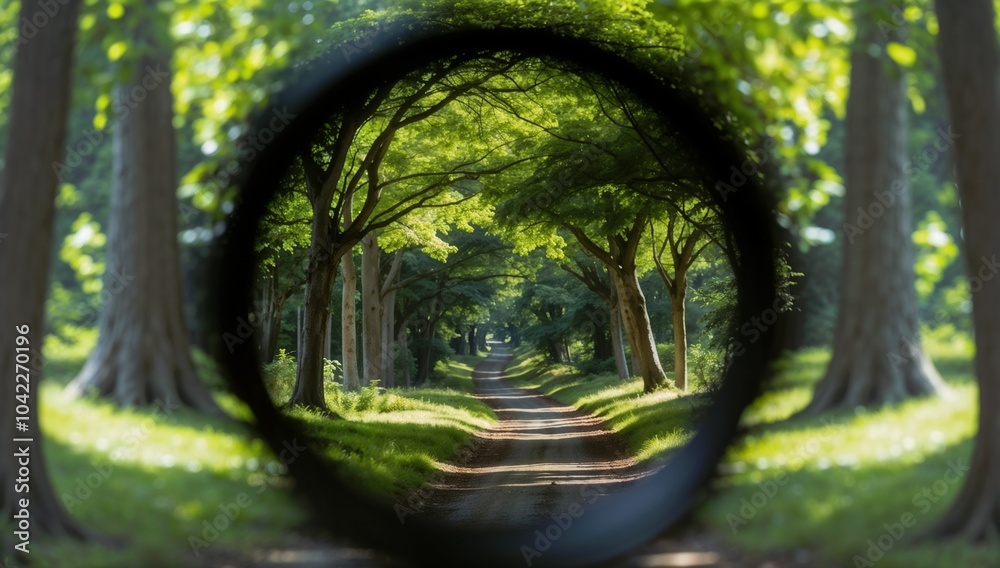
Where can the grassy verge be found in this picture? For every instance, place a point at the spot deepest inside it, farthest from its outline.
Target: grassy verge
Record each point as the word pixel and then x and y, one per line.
pixel 651 425
pixel 843 484
pixel 160 479
pixel 840 485
pixel 392 441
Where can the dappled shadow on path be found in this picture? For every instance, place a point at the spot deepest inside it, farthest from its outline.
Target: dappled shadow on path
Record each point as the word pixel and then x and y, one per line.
pixel 541 458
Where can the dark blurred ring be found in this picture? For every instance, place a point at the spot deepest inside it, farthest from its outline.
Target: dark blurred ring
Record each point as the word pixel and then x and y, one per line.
pixel 612 528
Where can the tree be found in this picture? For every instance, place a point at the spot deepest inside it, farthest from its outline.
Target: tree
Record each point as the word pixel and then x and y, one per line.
pixel 877 356
pixel 348 324
pixel 685 240
pixel 387 297
pixel 597 278
pixel 36 136
pixel 609 222
pixel 352 157
pixel 143 354
pixel 378 313
pixel 971 68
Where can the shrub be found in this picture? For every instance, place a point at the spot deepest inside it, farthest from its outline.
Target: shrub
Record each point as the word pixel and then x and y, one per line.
pixel 597 366
pixel 705 366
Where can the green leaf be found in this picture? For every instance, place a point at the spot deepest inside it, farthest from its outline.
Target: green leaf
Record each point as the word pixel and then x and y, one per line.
pixel 901 54
pixel 116 50
pixel 116 11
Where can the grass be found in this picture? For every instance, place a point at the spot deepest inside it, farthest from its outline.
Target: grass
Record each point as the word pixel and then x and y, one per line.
pixel 155 477
pixel 651 425
pixel 848 474
pixel 832 485
pixel 392 441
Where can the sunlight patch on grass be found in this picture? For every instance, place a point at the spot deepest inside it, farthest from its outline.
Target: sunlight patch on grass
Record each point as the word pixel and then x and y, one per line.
pixel 387 443
pixel 831 483
pixel 161 478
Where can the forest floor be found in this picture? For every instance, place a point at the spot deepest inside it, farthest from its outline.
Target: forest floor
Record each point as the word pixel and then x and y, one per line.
pixel 539 458
pixel 843 478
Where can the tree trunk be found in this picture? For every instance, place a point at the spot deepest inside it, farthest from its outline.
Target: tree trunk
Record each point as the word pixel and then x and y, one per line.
pixel 264 312
pixel 554 353
pixel 617 342
pixel 515 336
pixel 371 305
pixel 461 350
pixel 424 359
pixel 877 356
pixel 36 136
pixel 143 353
pixel 404 351
pixel 601 341
pixel 319 288
pixel 971 68
pixel 328 347
pixel 481 337
pixel 299 335
pixel 473 345
pixel 388 340
pixel 274 330
pixel 678 310
pixel 348 325
pixel 638 329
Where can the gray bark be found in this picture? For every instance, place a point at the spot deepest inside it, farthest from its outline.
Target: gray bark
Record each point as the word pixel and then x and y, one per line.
pixel 617 341
pixel 143 353
pixel 638 329
pixel 36 136
pixel 387 294
pixel 348 325
pixel 971 68
pixel 371 306
pixel 877 356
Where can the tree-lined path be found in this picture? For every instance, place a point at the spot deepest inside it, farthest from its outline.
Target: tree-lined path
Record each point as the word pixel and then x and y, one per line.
pixel 539 459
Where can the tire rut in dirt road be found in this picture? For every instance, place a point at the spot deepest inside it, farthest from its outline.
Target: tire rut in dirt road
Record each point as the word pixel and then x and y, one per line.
pixel 540 458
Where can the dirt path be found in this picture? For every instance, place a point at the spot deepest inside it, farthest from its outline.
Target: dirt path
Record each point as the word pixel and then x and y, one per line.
pixel 537 459
pixel 540 457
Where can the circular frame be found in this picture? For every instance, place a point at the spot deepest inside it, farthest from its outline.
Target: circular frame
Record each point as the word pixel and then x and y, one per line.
pixel 611 527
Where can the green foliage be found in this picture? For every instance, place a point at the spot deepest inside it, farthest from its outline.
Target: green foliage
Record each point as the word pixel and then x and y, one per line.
pixel 706 365
pixel 936 250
